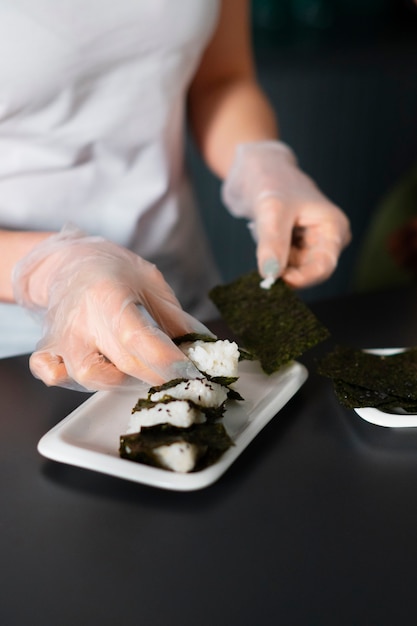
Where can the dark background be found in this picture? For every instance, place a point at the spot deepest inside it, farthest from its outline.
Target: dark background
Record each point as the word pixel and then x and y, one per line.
pixel 342 76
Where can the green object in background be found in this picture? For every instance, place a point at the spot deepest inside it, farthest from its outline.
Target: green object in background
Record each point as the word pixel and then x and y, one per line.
pixel 375 268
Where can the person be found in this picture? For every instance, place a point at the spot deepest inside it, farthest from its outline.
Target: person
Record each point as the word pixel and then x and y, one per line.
pixel 99 235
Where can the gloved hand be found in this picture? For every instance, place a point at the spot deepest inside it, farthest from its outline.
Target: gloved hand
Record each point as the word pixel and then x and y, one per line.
pixel 299 232
pixel 87 290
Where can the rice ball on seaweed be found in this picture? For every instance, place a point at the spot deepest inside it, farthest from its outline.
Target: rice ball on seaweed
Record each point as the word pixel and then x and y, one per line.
pixel 213 358
pixel 203 392
pixel 180 413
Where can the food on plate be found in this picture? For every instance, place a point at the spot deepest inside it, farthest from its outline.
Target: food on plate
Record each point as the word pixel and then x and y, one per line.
pixel 274 325
pixel 216 359
pixel 176 427
pixel 180 413
pixel 205 393
pixel 365 379
pixel 194 448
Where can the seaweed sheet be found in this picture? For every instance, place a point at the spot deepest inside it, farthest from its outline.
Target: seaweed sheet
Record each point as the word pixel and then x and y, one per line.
pixel 274 324
pixel 362 379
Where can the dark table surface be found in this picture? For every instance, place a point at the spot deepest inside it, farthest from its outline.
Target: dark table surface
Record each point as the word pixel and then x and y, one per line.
pixel 315 524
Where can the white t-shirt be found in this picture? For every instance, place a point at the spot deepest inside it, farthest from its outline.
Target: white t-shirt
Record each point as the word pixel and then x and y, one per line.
pixel 92 112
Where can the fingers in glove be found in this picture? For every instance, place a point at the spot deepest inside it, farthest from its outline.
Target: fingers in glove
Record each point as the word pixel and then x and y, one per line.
pixel 310 270
pixel 140 349
pixel 95 373
pixel 163 306
pixel 272 231
pixel 307 244
pixel 49 367
pixel 312 261
pixel 134 348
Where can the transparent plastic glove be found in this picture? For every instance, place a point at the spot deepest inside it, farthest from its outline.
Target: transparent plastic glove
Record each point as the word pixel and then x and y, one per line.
pixel 95 336
pixel 299 232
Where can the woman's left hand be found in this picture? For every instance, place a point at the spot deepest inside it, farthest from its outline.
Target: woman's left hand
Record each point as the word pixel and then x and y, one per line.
pixel 299 232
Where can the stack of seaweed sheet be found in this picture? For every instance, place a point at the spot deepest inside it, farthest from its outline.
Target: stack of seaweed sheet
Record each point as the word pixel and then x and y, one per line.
pixel 178 425
pixel 364 379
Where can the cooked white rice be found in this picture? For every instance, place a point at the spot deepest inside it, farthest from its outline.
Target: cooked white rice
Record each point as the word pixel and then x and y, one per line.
pixel 178 457
pixel 214 358
pixel 203 392
pixel 178 413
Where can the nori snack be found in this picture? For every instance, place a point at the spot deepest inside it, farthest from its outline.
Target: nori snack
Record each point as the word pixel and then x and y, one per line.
pixel 274 325
pixel 211 439
pixel 212 413
pixel 220 380
pixel 363 379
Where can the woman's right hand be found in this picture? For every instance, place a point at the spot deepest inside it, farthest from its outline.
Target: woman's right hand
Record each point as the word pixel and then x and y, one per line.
pixel 95 335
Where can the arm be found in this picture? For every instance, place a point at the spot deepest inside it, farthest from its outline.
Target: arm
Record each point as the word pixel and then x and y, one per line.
pixel 226 104
pixel 299 232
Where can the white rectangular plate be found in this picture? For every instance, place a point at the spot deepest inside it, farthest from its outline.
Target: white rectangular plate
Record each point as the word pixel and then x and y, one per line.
pixel 89 437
